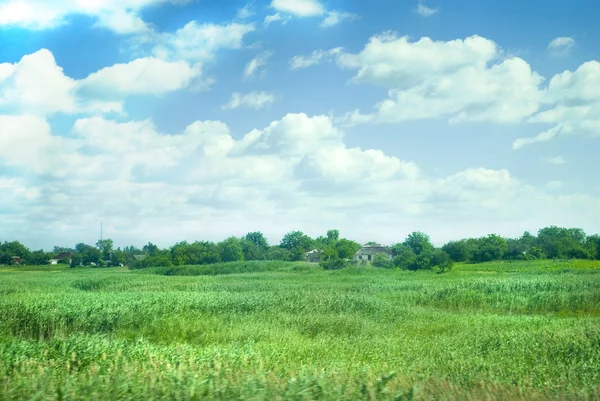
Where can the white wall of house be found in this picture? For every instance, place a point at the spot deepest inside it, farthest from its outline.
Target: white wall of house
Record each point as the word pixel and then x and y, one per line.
pixel 365 258
pixel 53 261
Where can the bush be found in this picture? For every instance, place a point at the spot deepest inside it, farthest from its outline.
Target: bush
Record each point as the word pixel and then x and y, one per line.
pixel 334 264
pixel 382 260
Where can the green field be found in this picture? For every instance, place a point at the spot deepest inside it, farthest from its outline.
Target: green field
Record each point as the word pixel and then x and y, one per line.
pixel 520 330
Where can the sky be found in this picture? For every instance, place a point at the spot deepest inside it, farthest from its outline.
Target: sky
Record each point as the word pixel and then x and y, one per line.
pixel 172 120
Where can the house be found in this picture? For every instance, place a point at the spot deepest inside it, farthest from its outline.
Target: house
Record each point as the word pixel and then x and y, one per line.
pixel 313 256
pixel 16 260
pixel 367 252
pixel 65 257
pixel 139 258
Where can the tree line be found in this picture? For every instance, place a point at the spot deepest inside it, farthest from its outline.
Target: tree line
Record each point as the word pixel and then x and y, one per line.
pixel 416 252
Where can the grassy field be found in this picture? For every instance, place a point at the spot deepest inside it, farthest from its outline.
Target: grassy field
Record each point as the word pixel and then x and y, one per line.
pixel 521 330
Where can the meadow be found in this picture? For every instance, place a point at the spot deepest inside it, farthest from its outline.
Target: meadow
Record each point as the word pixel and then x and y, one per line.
pixel 264 331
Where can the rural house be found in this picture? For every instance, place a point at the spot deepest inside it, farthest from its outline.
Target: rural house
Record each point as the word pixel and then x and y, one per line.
pixel 65 257
pixel 313 256
pixel 16 260
pixel 367 252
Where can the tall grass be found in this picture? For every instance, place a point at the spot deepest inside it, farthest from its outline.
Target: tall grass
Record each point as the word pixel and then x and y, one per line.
pixel 298 332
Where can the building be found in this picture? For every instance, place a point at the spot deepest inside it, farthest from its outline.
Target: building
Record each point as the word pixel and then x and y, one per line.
pixel 139 258
pixel 313 256
pixel 65 257
pixel 16 260
pixel 367 253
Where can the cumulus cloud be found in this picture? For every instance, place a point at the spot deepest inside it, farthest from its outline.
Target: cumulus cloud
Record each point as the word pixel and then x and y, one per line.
pixel 466 80
pixel 245 12
pixel 269 19
pixel 146 75
pixel 561 45
pixel 299 8
pixel 572 101
pixel 557 160
pixel 460 80
pixel 257 64
pixel 335 17
pixel 425 11
pixel 315 58
pixel 199 42
pixel 253 100
pixel 37 85
pixel 120 16
pixel 297 172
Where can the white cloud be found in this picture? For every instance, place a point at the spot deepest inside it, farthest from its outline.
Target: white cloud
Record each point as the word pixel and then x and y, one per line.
pixel 245 12
pixel 573 100
pixel 554 185
pixel 396 62
pixel 543 137
pixel 561 45
pixel 335 17
pixel 122 22
pixel 142 76
pixel 316 57
pixel 199 42
pixel 462 80
pixel 253 100
pixel 269 19
pixel 257 64
pixel 425 11
pixel 557 160
pixel 299 8
pixel 296 173
pixel 37 85
pixel 120 16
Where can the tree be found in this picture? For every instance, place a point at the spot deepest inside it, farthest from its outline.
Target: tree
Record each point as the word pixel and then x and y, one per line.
pixel 277 253
pixel 106 247
pixel 592 245
pixel 254 246
pixel 459 251
pixel 60 249
pixel 346 248
pixel 491 247
pixel 88 253
pixel 76 260
pixel 150 249
pixel 297 243
pixel 405 258
pixel 231 250
pixel 441 260
pixel 13 248
pixel 333 236
pixel 419 242
pixel 258 239
pixel 38 258
pixel 557 242
pixel 381 260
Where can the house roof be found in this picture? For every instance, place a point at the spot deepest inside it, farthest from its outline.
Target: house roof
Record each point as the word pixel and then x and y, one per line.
pixel 139 257
pixel 373 250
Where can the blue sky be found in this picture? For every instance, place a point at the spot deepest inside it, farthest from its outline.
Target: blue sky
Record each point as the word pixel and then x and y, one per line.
pixel 184 120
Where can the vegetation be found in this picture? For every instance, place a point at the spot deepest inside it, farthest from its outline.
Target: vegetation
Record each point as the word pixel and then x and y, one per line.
pixel 499 330
pixel 416 252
